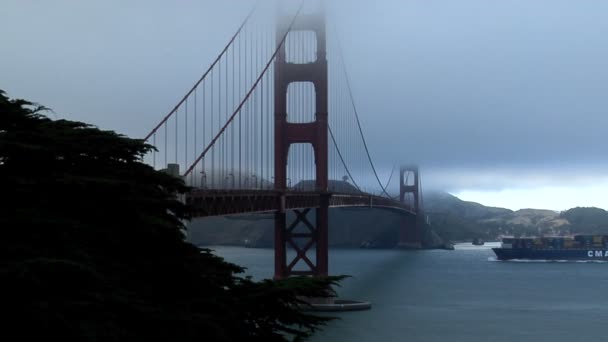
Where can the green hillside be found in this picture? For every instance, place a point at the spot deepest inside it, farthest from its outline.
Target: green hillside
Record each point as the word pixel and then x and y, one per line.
pixel 459 220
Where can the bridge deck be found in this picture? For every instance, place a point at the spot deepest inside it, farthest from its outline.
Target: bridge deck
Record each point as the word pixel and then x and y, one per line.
pixel 229 202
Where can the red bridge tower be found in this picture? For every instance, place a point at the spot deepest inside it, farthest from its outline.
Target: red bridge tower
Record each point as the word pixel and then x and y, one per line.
pixel 315 133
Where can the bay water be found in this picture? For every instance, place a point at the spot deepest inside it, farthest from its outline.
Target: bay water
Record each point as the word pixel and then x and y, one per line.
pixel 459 295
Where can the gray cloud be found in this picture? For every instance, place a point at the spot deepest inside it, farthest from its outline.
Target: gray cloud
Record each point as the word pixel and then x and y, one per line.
pixel 482 94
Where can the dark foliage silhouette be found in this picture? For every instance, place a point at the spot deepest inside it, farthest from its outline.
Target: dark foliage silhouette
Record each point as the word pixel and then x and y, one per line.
pixel 92 247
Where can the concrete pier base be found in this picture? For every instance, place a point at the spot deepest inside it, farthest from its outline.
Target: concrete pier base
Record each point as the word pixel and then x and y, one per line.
pixel 335 305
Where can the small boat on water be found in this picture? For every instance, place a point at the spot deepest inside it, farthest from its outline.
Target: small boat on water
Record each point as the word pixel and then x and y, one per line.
pixel 578 247
pixel 478 242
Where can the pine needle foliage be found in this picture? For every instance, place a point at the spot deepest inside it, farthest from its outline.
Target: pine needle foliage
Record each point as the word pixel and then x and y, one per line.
pixel 93 249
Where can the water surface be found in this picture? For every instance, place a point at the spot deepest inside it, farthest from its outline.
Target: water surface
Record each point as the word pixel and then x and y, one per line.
pixel 460 295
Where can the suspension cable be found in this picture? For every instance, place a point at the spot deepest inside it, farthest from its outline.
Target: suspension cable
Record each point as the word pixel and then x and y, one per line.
pixel 390 177
pixel 342 159
pixel 237 110
pixel 352 101
pixel 202 78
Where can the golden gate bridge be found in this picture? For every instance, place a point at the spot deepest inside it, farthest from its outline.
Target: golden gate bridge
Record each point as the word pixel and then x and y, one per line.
pixel 272 126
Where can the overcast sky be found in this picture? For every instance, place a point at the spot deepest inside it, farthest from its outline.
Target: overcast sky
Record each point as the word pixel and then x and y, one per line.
pixel 501 102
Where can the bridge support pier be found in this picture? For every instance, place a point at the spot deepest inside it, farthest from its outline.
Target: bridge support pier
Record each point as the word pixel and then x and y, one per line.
pixel 323 236
pixel 280 248
pixel 302 236
pixel 411 229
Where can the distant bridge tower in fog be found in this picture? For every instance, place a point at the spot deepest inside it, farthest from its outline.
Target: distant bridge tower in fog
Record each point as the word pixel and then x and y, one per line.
pixel 411 229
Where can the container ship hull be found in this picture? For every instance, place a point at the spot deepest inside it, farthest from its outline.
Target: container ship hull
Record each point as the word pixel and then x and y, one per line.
pixel 578 247
pixel 554 254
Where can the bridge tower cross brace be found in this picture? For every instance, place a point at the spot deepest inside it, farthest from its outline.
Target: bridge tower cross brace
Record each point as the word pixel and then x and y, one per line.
pixel 410 232
pixel 315 133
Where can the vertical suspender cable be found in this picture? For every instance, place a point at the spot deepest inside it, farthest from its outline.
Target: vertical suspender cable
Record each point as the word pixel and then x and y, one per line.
pixel 247 96
pixel 255 109
pixel 176 135
pixel 203 172
pixel 211 180
pixel 204 76
pixel 193 179
pixel 262 114
pixel 240 115
pixel 186 133
pixel 225 137
pixel 226 152
pixel 354 108
pixel 232 135
pixel 270 111
pixel 220 146
pixel 248 113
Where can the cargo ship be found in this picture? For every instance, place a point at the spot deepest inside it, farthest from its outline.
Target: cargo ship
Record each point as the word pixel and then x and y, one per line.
pixel 578 247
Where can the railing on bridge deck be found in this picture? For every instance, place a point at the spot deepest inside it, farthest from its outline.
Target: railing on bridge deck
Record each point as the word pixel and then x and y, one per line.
pixel 205 202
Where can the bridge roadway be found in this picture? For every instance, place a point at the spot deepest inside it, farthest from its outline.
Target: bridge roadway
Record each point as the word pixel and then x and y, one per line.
pixel 205 202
